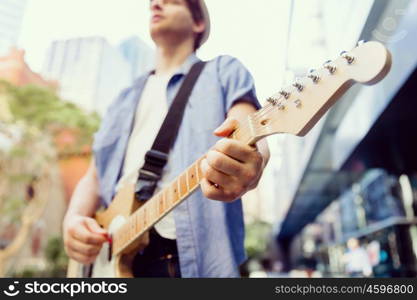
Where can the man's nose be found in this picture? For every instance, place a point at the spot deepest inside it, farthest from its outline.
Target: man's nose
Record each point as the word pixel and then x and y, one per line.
pixel 156 4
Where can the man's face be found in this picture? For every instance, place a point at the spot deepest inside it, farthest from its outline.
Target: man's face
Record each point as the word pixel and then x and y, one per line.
pixel 171 19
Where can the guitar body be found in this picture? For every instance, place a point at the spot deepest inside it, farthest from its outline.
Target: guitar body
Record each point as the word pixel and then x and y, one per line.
pixel 111 219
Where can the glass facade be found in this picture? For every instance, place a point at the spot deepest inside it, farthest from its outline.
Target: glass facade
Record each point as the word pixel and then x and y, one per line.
pixel 11 15
pixel 359 187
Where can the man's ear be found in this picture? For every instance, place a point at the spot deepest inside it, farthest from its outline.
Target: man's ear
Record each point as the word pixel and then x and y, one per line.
pixel 199 27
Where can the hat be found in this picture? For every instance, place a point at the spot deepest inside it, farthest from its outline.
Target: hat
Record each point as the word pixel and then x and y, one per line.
pixel 206 18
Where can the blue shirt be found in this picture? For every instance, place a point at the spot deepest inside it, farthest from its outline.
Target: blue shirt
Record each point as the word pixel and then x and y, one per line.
pixel 210 234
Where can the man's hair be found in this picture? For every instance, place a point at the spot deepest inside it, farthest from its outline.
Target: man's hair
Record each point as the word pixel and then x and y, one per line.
pixel 197 14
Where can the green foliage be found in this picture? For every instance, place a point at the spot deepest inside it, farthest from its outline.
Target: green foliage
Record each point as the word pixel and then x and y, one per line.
pixel 257 234
pixel 40 115
pixel 56 257
pixel 29 272
pixel 12 209
pixel 42 108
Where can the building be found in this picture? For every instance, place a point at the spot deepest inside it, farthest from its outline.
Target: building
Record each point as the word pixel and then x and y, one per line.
pixel 11 16
pixel 91 72
pixel 139 55
pixel 15 70
pixel 353 175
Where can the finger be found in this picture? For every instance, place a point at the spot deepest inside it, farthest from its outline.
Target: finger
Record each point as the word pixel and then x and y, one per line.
pixel 82 234
pixel 81 258
pixel 235 149
pixel 223 163
pixel 220 194
pixel 93 226
pixel 85 249
pixel 228 126
pixel 214 176
pixel 210 191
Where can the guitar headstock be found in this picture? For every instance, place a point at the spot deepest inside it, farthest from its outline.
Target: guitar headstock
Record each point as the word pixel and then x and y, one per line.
pixel 297 109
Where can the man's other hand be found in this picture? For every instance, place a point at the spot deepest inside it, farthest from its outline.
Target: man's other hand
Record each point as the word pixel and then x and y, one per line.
pixel 83 238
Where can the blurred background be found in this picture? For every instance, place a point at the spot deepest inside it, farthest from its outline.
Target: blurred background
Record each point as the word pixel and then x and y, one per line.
pixel 341 201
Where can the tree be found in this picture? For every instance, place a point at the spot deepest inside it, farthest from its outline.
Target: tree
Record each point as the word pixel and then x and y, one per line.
pixel 38 114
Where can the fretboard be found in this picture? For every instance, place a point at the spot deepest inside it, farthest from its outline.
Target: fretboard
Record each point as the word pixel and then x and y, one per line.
pixel 162 203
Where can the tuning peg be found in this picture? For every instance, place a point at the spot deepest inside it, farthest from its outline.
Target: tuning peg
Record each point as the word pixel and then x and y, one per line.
pixel 272 100
pixel 284 94
pixel 329 66
pixel 349 58
pixel 313 76
pixel 298 86
pixel 281 106
pixel 361 42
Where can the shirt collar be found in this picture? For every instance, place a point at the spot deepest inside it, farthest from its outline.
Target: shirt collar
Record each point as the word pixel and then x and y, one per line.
pixel 182 70
pixel 187 64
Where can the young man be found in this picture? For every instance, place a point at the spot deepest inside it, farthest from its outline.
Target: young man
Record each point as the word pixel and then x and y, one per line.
pixel 200 237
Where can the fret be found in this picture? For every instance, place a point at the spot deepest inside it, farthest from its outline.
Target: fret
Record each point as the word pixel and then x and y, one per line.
pixel 186 180
pixel 135 221
pixel 161 203
pixel 178 190
pixel 145 216
pixel 173 193
pixel 150 210
pixel 192 177
pixel 131 230
pixel 199 172
pixel 158 205
pixel 126 235
pixel 154 206
pixel 155 199
pixel 139 220
pixel 195 167
pixel 182 183
pixel 166 197
pixel 169 195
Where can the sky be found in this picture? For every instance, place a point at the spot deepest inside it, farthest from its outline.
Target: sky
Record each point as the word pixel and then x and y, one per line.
pixel 253 31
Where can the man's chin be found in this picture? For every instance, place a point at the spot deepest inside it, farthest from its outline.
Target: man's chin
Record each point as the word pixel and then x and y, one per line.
pixel 157 29
pixel 160 31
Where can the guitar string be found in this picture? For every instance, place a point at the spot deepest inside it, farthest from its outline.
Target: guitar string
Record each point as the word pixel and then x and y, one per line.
pixel 243 130
pixel 302 80
pixel 260 114
pixel 245 134
pixel 257 116
pixel 127 227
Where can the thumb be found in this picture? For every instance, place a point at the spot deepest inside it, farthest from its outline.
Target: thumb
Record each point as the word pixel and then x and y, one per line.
pixel 228 126
pixel 94 227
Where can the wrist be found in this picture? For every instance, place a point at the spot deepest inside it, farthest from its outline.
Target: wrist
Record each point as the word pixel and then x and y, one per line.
pixel 69 216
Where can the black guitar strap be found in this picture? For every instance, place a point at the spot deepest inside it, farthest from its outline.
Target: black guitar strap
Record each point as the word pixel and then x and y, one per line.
pixel 157 157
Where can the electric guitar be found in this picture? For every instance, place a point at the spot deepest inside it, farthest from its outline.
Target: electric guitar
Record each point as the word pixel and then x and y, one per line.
pixel 294 110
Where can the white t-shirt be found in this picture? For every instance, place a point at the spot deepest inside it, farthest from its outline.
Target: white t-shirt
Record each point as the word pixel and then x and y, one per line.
pixel 150 114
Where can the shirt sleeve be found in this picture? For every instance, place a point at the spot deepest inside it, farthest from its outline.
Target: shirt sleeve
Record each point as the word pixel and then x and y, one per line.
pixel 109 118
pixel 236 81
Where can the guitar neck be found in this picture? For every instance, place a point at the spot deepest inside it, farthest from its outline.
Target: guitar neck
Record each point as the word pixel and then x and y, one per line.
pixel 293 110
pixel 164 201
